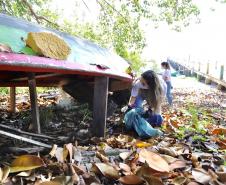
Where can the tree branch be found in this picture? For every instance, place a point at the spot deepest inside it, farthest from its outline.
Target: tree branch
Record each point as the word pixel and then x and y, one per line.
pixel 37 17
pixel 113 8
pixel 86 5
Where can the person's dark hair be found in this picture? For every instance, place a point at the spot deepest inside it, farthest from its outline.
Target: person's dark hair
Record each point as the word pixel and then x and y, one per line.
pixel 155 91
pixel 166 65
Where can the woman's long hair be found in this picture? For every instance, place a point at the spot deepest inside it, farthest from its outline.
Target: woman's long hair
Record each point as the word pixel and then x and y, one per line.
pixel 154 93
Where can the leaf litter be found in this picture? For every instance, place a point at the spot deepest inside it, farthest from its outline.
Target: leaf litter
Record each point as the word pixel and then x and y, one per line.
pixel 191 151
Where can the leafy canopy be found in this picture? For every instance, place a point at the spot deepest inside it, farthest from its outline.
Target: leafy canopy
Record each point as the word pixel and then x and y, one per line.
pixel 119 23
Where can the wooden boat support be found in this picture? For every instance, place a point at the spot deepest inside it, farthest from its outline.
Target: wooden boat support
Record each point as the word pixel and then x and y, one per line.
pixel 81 75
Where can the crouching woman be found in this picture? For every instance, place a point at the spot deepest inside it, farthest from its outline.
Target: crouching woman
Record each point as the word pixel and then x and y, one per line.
pixel 151 88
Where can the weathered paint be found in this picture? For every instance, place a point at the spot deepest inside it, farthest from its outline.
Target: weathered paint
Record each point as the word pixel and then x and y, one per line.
pixel 83 53
pixel 21 62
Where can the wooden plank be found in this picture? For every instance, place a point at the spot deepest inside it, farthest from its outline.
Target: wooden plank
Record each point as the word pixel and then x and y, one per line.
pixel 34 103
pixel 222 72
pixel 41 83
pixel 208 68
pixel 12 99
pixel 100 106
pixel 218 81
pixel 38 76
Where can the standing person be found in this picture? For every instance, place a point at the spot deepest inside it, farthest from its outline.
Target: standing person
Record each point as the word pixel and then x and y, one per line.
pixel 166 75
pixel 152 89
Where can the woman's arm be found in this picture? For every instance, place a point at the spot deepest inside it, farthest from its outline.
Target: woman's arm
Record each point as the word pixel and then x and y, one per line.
pixel 132 100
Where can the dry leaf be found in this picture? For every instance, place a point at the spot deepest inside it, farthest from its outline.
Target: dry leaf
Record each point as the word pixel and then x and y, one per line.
pixel 141 144
pixel 26 162
pixel 60 180
pixel 131 180
pixel 50 183
pixel 5 48
pixel 4 173
pixel 125 155
pixel 146 171
pixel 178 164
pixel 169 159
pixel 90 179
pixel 222 176
pixel 152 180
pixel 78 169
pixel 52 153
pixel 125 168
pixel 168 151
pixel 193 183
pixel 201 176
pixel 154 161
pixel 102 157
pixel 24 174
pixel 219 131
pixel 179 180
pixel 69 147
pixel 75 176
pixel 106 169
pixel 61 154
pixel 64 180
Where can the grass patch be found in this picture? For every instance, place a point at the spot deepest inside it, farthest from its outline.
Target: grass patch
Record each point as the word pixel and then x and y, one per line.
pixel 23 90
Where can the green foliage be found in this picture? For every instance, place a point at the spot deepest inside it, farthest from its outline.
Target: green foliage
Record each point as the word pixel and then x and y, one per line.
pixel 118 26
pixel 4 90
pixel 196 124
pixel 199 138
pixel 23 90
pixel 85 112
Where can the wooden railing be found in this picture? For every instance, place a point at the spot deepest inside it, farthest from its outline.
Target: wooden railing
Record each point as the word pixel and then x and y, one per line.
pixel 209 71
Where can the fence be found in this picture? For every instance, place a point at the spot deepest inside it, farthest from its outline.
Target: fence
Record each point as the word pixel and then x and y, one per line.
pixel 209 71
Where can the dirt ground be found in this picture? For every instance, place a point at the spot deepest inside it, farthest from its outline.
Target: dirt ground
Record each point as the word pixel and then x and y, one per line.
pixel 192 147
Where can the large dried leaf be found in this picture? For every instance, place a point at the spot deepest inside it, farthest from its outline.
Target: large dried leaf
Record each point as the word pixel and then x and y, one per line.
pixel 178 164
pixel 201 176
pixel 154 161
pixel 26 162
pixel 147 171
pixel 169 159
pixel 106 169
pixel 131 180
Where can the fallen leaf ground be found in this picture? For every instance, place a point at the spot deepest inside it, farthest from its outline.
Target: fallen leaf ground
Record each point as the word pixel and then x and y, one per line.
pixel 191 151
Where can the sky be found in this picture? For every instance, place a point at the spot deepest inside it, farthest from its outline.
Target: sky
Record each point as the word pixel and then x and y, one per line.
pixel 205 41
